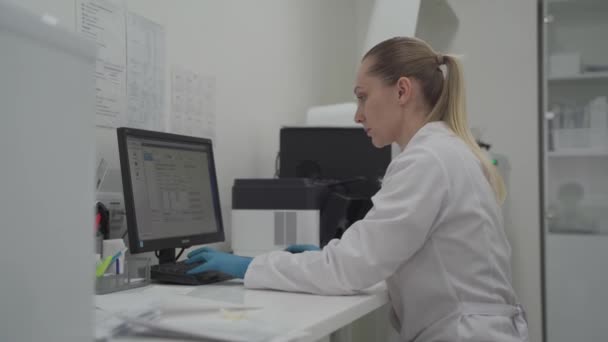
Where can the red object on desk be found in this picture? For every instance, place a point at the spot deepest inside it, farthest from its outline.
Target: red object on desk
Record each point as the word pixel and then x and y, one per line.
pixel 97 221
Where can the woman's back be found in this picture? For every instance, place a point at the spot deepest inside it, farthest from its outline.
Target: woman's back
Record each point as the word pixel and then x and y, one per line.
pixel 462 268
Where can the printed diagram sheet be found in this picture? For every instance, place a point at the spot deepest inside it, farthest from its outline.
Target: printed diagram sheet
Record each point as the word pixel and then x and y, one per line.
pixel 145 73
pixel 192 103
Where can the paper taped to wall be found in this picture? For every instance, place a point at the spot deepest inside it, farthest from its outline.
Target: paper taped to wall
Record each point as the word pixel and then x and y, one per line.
pixel 192 103
pixel 103 22
pixel 145 73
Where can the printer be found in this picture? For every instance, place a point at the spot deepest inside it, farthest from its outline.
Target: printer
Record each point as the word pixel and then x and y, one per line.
pixel 271 214
pixel 327 176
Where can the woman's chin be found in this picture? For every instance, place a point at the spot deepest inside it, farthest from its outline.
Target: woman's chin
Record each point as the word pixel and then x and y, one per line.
pixel 378 143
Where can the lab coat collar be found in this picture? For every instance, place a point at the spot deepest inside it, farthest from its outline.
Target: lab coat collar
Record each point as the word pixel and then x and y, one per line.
pixel 429 128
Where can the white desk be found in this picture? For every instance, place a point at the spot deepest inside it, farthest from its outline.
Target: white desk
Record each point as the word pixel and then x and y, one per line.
pixel 318 316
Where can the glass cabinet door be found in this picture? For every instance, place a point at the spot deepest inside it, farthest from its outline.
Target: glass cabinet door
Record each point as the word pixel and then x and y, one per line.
pixel 575 156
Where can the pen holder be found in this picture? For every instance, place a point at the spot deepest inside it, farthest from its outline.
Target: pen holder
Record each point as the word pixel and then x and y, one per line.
pixel 136 274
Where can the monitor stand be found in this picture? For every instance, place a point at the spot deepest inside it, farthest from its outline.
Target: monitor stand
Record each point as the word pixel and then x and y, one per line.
pixel 166 256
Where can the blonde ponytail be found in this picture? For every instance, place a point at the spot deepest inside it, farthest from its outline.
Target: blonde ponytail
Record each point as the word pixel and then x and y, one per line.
pixel 451 108
pixel 405 56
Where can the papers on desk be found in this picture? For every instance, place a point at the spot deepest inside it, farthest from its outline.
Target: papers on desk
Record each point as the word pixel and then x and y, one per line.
pixel 171 315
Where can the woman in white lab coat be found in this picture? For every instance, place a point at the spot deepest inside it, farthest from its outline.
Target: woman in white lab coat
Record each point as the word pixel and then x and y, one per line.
pixel 435 232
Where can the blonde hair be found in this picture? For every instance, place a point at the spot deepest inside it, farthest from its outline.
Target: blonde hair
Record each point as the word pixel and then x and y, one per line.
pixel 412 57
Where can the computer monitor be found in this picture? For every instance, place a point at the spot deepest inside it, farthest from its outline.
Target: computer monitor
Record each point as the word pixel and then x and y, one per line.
pixel 170 191
pixel 331 153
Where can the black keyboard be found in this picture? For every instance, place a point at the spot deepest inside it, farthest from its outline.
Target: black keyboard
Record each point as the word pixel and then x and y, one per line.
pixel 176 274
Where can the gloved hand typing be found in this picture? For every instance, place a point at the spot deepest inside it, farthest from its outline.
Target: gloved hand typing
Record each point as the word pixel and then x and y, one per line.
pixel 301 248
pixel 230 264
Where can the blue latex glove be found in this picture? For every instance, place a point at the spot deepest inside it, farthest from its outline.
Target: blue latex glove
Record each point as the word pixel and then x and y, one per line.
pixel 230 264
pixel 301 248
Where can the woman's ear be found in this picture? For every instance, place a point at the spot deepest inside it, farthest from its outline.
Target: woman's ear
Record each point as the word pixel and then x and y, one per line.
pixel 404 89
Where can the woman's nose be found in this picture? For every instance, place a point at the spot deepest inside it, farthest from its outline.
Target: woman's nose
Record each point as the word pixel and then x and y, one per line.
pixel 358 116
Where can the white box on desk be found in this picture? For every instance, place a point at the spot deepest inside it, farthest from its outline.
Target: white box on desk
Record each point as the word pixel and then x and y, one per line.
pixel 256 232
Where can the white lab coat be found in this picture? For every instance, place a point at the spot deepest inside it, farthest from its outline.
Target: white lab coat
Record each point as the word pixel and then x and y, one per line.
pixel 434 234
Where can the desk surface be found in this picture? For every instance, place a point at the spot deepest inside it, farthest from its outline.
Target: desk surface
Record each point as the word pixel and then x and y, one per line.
pixel 293 313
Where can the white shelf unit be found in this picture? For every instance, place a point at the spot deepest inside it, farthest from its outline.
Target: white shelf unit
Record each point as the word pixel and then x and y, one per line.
pixel 587 76
pixel 575 187
pixel 577 5
pixel 578 153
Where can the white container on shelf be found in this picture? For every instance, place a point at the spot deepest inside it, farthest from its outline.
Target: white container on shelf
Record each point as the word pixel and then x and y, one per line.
pixel 598 139
pixel 571 138
pixel 564 64
pixel 598 113
pixel 598 109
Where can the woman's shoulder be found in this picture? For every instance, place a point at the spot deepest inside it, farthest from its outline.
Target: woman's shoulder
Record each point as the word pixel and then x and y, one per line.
pixel 419 159
pixel 434 139
pixel 436 146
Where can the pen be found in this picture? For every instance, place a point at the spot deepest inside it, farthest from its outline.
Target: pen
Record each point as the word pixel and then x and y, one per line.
pixel 103 266
pixel 101 269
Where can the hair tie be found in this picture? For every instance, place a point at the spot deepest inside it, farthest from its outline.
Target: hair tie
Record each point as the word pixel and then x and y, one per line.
pixel 440 59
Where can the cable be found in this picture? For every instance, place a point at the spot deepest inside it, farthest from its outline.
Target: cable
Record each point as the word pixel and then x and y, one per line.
pixel 157 253
pixel 277 167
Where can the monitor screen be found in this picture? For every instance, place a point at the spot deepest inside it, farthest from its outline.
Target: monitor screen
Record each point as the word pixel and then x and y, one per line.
pixel 170 188
pixel 331 153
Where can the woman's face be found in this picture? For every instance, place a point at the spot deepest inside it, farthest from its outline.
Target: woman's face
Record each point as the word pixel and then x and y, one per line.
pixel 379 107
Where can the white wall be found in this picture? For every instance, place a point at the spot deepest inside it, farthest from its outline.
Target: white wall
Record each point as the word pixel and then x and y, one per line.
pixel 499 42
pixel 388 19
pixel 272 59
pixel 363 15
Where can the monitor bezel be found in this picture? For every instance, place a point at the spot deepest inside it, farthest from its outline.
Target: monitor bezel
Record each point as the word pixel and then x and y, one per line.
pixel 135 244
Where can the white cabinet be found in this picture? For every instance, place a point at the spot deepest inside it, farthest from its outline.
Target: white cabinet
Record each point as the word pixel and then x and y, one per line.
pixel 575 127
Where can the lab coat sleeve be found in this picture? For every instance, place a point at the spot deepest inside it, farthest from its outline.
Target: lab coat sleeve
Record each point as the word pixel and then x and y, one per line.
pixel 372 249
